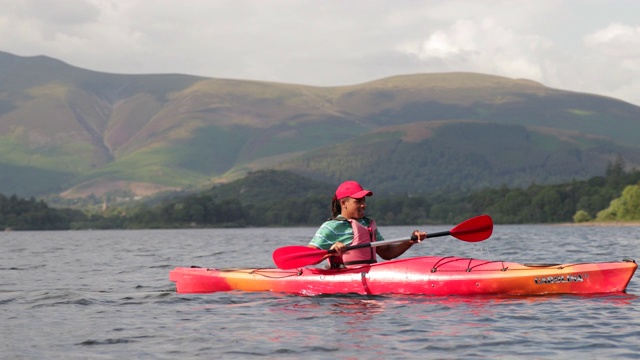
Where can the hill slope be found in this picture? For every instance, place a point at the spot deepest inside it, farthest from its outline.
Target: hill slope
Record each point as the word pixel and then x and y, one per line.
pixel 70 131
pixel 461 155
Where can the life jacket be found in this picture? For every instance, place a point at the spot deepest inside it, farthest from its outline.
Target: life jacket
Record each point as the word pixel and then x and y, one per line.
pixel 361 235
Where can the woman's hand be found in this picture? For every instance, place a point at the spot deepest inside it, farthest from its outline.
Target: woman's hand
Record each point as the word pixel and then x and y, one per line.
pixel 421 235
pixel 339 248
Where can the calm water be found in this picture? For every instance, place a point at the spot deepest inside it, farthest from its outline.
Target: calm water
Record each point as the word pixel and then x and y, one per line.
pixel 106 294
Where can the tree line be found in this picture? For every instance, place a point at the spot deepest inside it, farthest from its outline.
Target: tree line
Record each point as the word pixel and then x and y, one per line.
pixel 265 198
pixel 31 214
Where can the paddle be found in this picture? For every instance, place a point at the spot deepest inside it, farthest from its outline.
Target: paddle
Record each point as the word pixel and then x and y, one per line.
pixel 472 230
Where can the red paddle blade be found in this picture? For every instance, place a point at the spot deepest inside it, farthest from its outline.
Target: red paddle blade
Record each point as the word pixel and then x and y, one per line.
pixel 475 229
pixel 291 257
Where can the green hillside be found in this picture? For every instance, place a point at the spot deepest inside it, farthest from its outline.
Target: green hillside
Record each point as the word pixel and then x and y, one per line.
pixel 281 198
pixel 454 155
pixel 71 132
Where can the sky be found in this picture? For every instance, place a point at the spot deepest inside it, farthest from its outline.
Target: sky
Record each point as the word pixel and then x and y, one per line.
pixel 590 46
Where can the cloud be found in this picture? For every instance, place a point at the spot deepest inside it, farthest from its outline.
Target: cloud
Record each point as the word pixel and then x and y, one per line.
pixel 335 42
pixel 483 46
pixel 44 12
pixel 619 40
pixel 613 55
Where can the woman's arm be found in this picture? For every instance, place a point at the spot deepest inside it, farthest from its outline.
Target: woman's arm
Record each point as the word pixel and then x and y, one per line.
pixel 392 251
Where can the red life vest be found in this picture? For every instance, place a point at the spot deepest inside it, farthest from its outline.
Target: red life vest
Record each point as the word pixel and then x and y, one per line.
pixel 361 235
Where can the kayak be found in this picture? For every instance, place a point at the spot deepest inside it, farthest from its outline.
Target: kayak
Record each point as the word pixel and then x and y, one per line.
pixel 425 275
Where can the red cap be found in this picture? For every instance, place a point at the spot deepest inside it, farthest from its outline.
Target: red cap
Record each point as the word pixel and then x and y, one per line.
pixel 351 189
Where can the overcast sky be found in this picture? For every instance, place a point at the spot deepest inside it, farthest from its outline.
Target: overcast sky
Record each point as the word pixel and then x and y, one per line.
pixel 582 45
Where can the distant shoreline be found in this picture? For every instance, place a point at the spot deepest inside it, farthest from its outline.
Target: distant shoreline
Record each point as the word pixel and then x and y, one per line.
pixel 602 223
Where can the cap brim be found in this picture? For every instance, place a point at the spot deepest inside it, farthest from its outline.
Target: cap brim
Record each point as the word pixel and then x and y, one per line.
pixel 361 194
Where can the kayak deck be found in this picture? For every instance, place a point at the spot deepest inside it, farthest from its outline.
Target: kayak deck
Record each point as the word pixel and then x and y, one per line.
pixel 426 275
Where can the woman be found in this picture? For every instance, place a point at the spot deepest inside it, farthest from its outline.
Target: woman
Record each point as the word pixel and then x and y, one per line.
pixel 349 226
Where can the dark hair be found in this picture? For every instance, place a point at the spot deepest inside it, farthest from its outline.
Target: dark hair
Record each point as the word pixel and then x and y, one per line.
pixel 336 208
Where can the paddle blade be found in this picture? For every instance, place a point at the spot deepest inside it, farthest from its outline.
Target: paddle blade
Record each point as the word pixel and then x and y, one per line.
pixel 475 229
pixel 291 257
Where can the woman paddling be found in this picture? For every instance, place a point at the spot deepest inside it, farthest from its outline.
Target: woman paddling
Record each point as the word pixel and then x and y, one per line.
pixel 348 225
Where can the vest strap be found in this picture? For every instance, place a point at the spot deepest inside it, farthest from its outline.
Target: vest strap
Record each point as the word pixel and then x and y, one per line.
pixel 358 262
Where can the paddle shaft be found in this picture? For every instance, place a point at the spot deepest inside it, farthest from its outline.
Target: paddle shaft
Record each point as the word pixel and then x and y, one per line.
pixel 392 241
pixel 375 244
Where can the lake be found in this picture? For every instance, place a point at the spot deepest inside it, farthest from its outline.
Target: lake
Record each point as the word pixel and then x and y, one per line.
pixel 106 295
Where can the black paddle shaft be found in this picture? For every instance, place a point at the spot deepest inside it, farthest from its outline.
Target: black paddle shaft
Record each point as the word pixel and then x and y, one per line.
pixel 385 242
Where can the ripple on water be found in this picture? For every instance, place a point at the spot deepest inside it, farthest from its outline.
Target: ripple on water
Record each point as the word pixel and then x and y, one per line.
pixel 89 295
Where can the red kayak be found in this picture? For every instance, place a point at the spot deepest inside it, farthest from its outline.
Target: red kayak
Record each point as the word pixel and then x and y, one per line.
pixel 428 275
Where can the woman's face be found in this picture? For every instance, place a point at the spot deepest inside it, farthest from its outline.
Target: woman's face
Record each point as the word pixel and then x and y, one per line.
pixel 353 208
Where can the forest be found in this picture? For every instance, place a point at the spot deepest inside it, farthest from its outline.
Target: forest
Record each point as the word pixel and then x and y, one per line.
pixel 281 198
pixel 31 214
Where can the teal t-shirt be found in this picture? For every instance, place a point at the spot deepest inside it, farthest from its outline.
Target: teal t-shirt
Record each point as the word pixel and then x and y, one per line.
pixel 338 230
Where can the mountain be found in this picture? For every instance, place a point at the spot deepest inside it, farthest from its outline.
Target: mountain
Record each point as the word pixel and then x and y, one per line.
pixel 76 133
